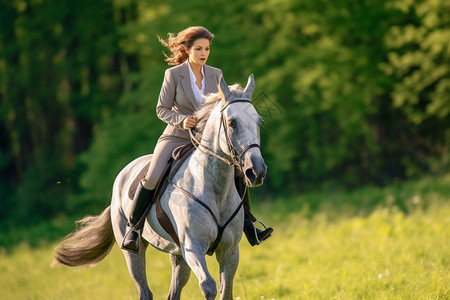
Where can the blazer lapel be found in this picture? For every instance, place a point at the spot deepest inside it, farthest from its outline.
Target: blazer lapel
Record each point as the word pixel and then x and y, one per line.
pixel 186 84
pixel 210 81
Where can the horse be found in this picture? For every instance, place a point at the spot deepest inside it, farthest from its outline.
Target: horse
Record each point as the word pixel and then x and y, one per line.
pixel 201 201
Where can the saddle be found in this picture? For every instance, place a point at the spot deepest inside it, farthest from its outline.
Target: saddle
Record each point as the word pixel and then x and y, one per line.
pixel 179 155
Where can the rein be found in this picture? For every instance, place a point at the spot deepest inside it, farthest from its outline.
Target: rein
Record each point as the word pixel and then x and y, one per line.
pixel 206 150
pixel 236 159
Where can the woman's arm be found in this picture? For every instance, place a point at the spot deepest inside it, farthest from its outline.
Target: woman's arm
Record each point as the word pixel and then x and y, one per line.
pixel 166 100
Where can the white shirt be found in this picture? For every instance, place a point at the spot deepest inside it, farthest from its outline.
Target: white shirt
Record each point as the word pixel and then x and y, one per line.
pixel 198 93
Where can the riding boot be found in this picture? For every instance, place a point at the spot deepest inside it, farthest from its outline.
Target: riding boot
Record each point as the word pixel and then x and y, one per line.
pixel 142 199
pixel 255 236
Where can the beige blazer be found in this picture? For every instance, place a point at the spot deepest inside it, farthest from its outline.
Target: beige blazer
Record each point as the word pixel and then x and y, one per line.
pixel 177 101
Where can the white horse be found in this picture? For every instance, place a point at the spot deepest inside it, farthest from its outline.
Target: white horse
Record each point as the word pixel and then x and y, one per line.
pixel 202 202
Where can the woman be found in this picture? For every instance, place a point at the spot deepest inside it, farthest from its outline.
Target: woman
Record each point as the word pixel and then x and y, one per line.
pixel 180 97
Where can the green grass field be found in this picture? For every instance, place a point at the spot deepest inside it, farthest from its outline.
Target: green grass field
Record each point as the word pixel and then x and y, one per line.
pixel 373 243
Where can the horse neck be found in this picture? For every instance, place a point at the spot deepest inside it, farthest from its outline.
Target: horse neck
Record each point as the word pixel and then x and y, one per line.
pixel 214 169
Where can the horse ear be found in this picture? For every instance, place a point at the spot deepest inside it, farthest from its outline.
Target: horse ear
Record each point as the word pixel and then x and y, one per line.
pixel 224 91
pixel 250 87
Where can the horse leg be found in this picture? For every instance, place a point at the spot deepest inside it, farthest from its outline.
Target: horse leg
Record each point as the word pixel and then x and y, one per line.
pixel 180 276
pixel 195 258
pixel 228 262
pixel 135 261
pixel 136 267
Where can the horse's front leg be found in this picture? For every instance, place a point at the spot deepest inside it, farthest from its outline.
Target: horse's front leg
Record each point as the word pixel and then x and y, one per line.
pixel 194 255
pixel 228 261
pixel 180 276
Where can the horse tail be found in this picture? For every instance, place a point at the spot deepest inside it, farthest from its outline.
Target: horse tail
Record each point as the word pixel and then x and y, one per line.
pixel 91 242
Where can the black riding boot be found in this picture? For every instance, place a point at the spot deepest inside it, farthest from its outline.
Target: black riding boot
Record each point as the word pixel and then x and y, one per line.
pixel 142 199
pixel 254 235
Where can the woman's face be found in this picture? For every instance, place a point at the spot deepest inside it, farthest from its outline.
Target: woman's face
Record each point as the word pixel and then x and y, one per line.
pixel 199 52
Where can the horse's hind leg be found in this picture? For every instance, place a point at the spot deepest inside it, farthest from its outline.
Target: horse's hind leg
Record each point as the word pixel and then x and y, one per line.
pixel 180 276
pixel 136 267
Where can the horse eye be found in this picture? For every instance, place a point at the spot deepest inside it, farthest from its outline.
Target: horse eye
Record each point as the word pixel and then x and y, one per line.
pixel 232 123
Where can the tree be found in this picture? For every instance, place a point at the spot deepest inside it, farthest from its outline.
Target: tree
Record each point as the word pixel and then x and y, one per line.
pixel 60 73
pixel 419 60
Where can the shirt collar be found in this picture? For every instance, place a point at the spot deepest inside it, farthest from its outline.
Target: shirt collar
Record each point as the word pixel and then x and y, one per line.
pixel 193 79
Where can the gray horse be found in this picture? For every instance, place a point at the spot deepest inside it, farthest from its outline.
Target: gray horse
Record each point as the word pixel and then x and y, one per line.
pixel 202 202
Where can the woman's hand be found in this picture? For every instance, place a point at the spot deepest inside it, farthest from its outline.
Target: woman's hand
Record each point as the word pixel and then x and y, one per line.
pixel 189 122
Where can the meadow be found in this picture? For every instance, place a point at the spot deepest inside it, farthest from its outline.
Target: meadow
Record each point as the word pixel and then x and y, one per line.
pixel 371 243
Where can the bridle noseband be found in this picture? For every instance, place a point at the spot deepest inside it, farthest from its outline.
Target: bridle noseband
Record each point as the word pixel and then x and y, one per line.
pixel 236 158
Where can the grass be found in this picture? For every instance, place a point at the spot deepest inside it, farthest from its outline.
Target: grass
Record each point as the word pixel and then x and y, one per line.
pixel 372 243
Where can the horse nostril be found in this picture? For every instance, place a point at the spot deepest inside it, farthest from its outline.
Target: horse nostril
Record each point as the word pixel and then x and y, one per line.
pixel 250 174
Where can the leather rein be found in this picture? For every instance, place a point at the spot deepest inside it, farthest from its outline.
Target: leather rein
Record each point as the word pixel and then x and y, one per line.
pixel 236 161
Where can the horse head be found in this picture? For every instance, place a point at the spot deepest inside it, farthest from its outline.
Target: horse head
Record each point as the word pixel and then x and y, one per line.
pixel 241 123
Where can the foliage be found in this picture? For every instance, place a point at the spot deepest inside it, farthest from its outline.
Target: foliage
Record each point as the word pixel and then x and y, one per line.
pixel 419 61
pixel 59 69
pixel 352 92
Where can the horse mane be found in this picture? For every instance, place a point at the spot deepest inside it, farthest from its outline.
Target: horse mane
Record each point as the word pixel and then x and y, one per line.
pixel 210 103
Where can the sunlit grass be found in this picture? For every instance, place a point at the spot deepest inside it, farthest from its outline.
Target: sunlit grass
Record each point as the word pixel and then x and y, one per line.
pixel 388 251
pixel 387 255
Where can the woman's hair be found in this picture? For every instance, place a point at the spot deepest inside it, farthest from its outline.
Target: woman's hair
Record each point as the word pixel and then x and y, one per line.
pixel 184 39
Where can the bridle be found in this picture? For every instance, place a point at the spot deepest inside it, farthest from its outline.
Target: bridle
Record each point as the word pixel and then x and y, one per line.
pixel 236 158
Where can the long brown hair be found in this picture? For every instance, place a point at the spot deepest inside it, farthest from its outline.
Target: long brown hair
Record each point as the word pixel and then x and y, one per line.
pixel 184 39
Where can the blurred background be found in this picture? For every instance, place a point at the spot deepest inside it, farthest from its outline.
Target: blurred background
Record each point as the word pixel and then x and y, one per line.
pixel 354 93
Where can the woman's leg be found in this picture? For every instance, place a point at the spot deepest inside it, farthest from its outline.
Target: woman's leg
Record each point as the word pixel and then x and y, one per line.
pixel 145 192
pixel 161 155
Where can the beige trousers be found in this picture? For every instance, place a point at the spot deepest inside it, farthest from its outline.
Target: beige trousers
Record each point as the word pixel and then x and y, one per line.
pixel 163 151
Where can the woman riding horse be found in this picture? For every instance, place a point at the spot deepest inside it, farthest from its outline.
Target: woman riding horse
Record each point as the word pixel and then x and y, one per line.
pixel 181 96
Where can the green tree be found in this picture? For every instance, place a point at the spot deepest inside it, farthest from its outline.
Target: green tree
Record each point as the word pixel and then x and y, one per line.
pixel 419 60
pixel 60 70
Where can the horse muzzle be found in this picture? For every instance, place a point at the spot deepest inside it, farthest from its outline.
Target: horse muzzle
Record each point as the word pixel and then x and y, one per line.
pixel 255 170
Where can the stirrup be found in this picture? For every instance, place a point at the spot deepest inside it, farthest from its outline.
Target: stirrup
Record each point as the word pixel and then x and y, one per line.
pixel 256 232
pixel 131 230
pixel 252 233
